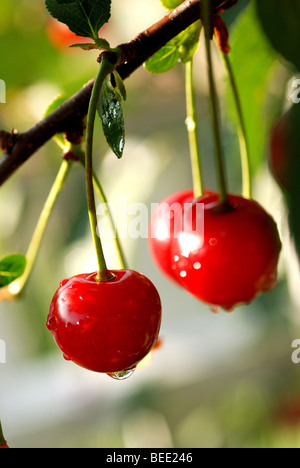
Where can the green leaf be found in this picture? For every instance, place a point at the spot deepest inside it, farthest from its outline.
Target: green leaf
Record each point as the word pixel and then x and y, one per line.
pixel 189 41
pixel 171 4
pixel 111 115
pixel 281 23
pixel 180 49
pixel 55 104
pixel 120 86
pixel 83 17
pixel 100 44
pixel 57 101
pixel 11 268
pixel 87 46
pixel 165 59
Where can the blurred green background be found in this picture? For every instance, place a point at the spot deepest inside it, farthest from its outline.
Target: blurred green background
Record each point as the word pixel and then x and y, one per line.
pixel 223 380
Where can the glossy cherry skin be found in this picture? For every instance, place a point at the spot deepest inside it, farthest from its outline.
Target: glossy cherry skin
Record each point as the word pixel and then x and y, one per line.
pixel 234 259
pixel 161 229
pixel 107 326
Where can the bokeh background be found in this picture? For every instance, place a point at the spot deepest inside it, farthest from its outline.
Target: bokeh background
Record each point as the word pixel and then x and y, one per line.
pixel 224 380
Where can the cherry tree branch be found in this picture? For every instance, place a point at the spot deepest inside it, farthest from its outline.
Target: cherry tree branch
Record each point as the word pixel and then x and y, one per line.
pixel 68 118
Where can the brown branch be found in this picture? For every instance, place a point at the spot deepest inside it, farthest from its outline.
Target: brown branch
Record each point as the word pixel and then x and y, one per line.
pixel 19 147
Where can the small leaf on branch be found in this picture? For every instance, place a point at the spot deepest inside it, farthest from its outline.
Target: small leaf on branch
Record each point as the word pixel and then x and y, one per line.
pixel 83 17
pixel 101 44
pixel 111 115
pixel 88 46
pixel 55 104
pixel 11 268
pixel 165 59
pixel 180 49
pixel 189 41
pixel 120 86
pixel 171 4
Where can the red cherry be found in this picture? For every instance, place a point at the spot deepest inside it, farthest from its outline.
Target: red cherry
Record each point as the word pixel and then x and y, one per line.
pixel 4 446
pixel 60 35
pixel 288 412
pixel 235 257
pixel 107 326
pixel 161 229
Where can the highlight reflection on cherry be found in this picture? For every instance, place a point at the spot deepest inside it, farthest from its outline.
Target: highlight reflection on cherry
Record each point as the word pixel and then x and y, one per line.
pixel 161 229
pixel 234 259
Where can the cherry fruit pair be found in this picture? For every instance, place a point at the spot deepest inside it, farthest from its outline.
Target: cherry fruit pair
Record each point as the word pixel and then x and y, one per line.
pixel 225 255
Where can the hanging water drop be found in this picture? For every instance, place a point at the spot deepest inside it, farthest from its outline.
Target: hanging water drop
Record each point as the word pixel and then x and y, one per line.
pixel 214 309
pixel 121 375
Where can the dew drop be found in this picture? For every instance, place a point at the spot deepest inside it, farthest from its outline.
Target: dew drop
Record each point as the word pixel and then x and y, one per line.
pixel 67 358
pixel 63 283
pixel 122 375
pixel 214 309
pixel 51 324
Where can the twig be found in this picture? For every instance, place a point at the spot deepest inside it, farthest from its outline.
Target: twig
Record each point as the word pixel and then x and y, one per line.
pixel 19 147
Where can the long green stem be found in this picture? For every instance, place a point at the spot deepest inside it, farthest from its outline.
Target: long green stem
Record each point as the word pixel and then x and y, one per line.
pixel 192 128
pixel 242 134
pixel 101 195
pixel 215 109
pixel 106 67
pixel 103 199
pixel 17 286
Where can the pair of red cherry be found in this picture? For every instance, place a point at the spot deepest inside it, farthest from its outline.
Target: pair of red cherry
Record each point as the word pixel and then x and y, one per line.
pixel 225 255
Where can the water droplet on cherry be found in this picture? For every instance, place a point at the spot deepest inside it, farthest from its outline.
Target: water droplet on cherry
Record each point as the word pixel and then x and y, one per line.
pixel 215 309
pixel 63 283
pixel 121 375
pixel 51 324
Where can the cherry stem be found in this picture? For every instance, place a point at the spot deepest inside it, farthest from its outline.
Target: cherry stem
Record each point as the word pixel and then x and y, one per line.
pixel 242 134
pixel 17 286
pixel 192 128
pixel 102 197
pixel 106 67
pixel 2 439
pixel 215 108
